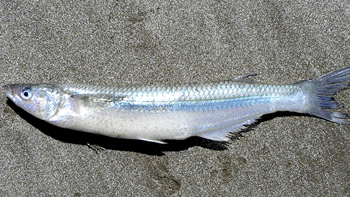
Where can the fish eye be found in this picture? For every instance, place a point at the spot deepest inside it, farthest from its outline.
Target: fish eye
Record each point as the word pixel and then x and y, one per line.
pixel 26 93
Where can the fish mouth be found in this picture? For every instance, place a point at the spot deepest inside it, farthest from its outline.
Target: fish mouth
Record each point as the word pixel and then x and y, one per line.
pixel 8 91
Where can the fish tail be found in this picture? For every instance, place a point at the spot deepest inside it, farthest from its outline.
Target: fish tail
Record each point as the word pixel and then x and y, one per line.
pixel 321 91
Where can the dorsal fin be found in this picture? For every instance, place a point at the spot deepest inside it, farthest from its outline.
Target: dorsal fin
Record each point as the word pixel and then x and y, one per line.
pixel 245 78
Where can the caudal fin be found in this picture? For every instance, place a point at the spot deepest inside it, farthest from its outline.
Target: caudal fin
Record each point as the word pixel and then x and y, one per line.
pixel 321 91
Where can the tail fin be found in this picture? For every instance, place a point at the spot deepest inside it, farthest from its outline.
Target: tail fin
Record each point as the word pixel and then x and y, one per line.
pixel 321 92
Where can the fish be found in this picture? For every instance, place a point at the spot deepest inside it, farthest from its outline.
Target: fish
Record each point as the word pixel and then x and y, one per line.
pixel 155 113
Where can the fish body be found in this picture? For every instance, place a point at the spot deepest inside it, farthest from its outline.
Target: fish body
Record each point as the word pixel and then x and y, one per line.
pixel 159 112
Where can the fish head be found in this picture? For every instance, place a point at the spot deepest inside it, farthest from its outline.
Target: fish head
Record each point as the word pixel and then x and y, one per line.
pixel 40 100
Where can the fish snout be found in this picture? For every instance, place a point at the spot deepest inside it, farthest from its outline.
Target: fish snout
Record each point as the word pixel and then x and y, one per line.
pixel 7 89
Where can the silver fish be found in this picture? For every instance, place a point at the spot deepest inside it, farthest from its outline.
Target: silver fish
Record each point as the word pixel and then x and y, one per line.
pixel 160 112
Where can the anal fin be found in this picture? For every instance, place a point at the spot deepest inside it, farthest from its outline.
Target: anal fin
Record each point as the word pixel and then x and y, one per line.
pixel 224 133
